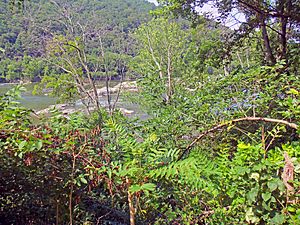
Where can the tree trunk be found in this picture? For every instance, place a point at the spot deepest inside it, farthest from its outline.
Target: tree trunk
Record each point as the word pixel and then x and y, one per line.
pixel 132 210
pixel 267 46
pixel 282 36
pixel 169 70
pixel 285 7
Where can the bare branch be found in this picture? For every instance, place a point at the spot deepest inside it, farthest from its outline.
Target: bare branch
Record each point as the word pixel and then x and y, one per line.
pixel 153 56
pixel 225 124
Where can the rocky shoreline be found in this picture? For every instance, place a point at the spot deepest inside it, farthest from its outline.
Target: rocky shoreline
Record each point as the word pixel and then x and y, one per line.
pixel 67 109
pixel 130 86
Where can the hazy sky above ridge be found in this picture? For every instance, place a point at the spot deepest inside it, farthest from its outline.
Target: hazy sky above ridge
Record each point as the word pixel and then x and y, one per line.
pixel 153 1
pixel 232 21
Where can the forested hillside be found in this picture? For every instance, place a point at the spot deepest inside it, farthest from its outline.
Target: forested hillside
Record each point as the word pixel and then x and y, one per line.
pixel 25 33
pixel 219 142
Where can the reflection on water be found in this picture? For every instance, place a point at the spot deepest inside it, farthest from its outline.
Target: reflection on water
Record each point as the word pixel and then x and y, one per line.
pixel 42 101
pixel 36 102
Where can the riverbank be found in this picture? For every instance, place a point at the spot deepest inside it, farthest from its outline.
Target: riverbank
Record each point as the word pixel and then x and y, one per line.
pixel 128 86
pixel 43 103
pixel 125 108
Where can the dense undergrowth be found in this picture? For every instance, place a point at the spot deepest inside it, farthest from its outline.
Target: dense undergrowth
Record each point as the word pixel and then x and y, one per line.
pixel 83 170
pixel 220 144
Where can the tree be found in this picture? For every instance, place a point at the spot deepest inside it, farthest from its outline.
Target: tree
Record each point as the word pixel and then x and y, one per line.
pixel 28 31
pixel 280 18
pixel 163 46
pixel 203 177
pixel 172 57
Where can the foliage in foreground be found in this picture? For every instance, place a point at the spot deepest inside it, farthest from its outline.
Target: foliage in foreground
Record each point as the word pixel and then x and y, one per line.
pixel 73 171
pixel 220 146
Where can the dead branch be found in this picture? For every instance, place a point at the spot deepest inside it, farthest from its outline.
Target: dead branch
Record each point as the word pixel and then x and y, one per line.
pixel 225 124
pixel 288 176
pixel 153 56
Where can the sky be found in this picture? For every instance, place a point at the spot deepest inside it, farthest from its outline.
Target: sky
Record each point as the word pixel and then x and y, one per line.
pixel 232 21
pixel 153 1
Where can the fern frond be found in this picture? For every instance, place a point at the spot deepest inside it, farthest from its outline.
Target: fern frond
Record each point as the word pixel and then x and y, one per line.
pixel 192 171
pixel 163 155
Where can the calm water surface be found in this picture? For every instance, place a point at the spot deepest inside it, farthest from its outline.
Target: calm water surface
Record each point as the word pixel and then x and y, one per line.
pixel 36 102
pixel 42 101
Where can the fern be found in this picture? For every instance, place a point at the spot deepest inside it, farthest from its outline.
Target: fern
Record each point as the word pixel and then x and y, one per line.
pixel 126 143
pixel 194 171
pixel 140 157
pixel 163 155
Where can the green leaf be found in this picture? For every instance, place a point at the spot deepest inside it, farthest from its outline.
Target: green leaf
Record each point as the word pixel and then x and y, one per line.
pixel 252 194
pixel 20 155
pixel 297 168
pixel 76 182
pixel 148 187
pixel 293 91
pixel 243 146
pixel 153 137
pixel 22 144
pixel 135 188
pixel 266 206
pixel 240 170
pixel 22 89
pixel 83 180
pixel 39 145
pixel 277 219
pixel 272 185
pixel 145 187
pixel 291 209
pixel 266 196
pixel 281 186
pixel 273 199
pixel 255 176
pixel 250 216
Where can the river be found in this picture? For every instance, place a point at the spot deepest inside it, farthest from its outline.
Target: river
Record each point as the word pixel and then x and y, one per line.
pixel 35 102
pixel 42 101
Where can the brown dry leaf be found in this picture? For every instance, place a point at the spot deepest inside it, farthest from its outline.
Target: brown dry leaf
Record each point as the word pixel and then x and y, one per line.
pixel 288 174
